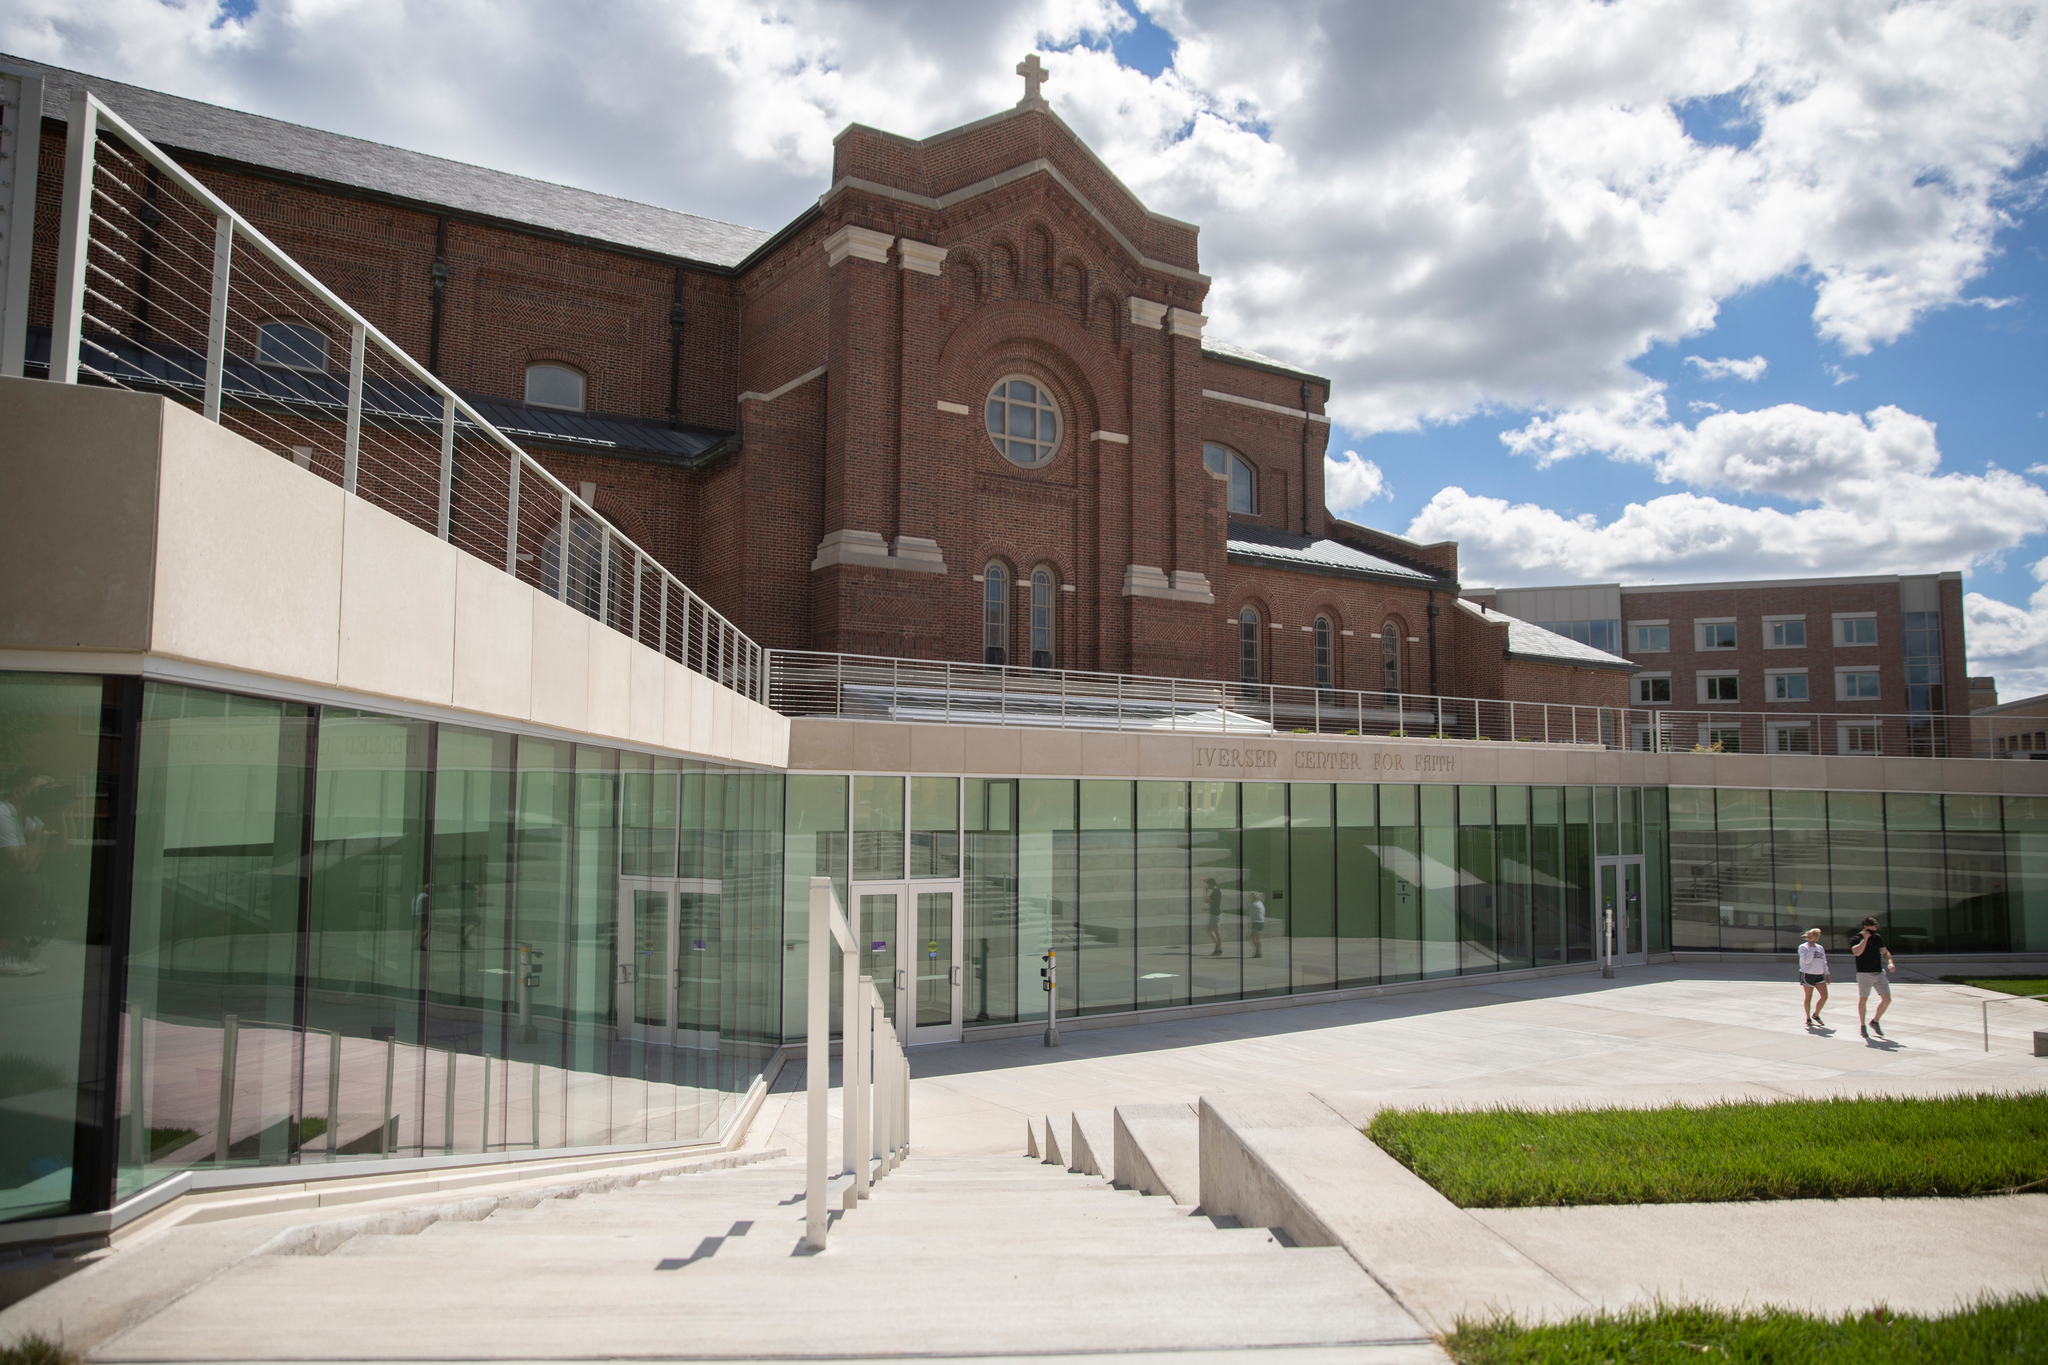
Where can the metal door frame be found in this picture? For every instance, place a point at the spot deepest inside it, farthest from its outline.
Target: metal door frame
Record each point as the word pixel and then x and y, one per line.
pixel 625 970
pixel 950 1032
pixel 1621 863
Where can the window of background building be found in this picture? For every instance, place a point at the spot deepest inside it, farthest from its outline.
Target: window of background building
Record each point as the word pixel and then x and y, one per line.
pixel 1785 686
pixel 1248 647
pixel 1042 591
pixel 1652 638
pixel 1715 634
pixel 1728 737
pixel 1227 464
pixel 1782 634
pixel 554 386
pixel 1856 630
pixel 1923 661
pixel 1651 691
pixel 1857 739
pixel 1023 422
pixel 1791 739
pixel 291 346
pixel 1856 684
pixel 995 615
pixel 1390 657
pixel 1326 673
pixel 1599 634
pixel 1720 687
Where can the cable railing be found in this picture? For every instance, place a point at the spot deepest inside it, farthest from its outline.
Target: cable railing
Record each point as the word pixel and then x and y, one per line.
pixel 937 691
pixel 163 288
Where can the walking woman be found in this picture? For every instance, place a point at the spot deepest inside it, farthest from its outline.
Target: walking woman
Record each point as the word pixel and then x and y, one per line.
pixel 1813 976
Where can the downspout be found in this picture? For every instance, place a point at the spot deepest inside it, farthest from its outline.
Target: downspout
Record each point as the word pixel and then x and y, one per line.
pixel 438 272
pixel 1304 458
pixel 1432 644
pixel 675 349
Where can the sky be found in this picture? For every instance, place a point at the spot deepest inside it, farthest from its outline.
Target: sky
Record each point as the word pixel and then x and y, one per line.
pixel 1631 291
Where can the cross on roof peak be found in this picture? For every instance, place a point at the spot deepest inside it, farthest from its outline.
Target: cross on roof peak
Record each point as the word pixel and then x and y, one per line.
pixel 1034 73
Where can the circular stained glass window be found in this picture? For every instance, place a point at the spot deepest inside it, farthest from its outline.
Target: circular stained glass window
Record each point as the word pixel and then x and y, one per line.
pixel 1023 422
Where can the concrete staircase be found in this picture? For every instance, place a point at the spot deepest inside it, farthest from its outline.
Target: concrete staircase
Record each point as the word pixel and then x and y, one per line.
pixel 953 1256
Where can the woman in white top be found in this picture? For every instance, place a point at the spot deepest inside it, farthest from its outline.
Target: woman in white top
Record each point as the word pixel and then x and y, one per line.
pixel 1813 976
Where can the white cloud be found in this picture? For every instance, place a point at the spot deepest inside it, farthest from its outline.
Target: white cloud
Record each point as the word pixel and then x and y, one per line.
pixel 1877 500
pixel 1352 482
pixel 2008 642
pixel 1749 371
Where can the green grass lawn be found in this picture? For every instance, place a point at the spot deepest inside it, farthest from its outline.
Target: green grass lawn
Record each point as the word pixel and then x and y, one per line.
pixel 2015 1330
pixel 2011 985
pixel 1798 1149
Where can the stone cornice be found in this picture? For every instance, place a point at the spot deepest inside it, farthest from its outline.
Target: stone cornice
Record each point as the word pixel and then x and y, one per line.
pixel 1264 407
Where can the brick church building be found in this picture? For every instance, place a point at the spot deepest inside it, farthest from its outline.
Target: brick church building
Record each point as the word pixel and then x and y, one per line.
pixel 964 407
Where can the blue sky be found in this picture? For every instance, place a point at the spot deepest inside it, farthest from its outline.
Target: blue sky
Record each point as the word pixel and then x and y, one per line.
pixel 1528 219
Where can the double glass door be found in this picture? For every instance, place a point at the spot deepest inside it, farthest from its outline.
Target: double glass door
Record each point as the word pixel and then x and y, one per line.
pixel 909 936
pixel 667 968
pixel 1621 893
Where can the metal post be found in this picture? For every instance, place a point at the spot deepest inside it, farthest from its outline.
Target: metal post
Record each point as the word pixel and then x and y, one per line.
pixel 333 1089
pixel 1051 973
pixel 1607 937
pixel 385 1135
pixel 74 229
pixel 849 1069
pixel 639 572
pixel 664 615
pixel 217 312
pixel 448 1107
pixel 230 1026
pixel 21 140
pixel 855 1078
pixel 512 516
pixel 604 573
pixel 484 1129
pixel 447 464
pixel 358 334
pixel 817 1062
pixel 562 558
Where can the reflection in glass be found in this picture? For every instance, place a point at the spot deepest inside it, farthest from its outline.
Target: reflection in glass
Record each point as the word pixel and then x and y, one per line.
pixel 1163 938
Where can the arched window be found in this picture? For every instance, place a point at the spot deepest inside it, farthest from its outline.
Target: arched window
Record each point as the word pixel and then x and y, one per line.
pixel 291 346
pixel 1227 464
pixel 1024 422
pixel 1326 663
pixel 1390 656
pixel 1042 590
pixel 1248 670
pixel 554 386
pixel 995 615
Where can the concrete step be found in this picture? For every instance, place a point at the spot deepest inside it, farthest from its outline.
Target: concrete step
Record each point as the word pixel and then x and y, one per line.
pixel 1157 1150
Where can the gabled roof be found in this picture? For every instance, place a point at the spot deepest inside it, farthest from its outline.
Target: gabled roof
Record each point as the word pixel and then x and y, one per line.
pixel 1534 644
pixel 1249 544
pixel 333 159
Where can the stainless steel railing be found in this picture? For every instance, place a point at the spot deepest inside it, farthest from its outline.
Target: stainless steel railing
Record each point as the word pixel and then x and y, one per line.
pixel 163 288
pixel 938 691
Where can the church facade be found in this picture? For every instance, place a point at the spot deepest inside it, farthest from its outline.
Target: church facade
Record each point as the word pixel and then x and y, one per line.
pixel 965 407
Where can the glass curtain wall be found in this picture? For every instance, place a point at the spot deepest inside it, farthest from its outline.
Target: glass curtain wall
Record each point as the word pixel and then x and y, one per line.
pixel 1751 871
pixel 1170 893
pixel 348 936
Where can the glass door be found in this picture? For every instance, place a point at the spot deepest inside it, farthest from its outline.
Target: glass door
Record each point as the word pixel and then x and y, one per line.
pixel 646 964
pixel 877 928
pixel 1621 892
pixel 934 936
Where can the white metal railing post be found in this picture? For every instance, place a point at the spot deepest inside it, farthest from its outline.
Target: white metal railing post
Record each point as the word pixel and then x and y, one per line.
pixel 512 516
pixel 562 555
pixel 74 232
pixel 352 443
pixel 445 513
pixel 849 1074
pixel 604 574
pixel 856 1075
pixel 827 928
pixel 217 312
pixel 21 141
pixel 639 572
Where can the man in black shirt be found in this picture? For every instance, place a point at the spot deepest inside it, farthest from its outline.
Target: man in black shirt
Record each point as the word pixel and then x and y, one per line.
pixel 1873 960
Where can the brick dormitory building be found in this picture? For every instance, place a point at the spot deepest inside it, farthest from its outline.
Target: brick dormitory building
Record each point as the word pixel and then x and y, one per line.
pixel 803 424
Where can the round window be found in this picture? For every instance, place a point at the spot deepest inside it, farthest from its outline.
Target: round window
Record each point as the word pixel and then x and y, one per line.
pixel 1023 422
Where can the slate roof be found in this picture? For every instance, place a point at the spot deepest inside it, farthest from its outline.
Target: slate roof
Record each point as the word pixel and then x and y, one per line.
pixel 1290 550
pixel 323 396
pixel 1537 645
pixel 230 134
pixel 1245 355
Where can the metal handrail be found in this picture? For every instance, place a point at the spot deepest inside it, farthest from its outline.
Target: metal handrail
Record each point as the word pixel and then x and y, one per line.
pixel 2001 1000
pixel 734 660
pixel 879 687
pixel 874 1111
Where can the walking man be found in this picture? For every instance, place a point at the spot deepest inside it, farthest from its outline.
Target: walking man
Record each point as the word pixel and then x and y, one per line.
pixel 1813 976
pixel 1873 961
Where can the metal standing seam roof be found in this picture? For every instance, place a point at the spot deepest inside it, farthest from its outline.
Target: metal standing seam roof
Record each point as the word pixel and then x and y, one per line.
pixel 230 134
pixel 1289 550
pixel 1534 643
pixel 1230 350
